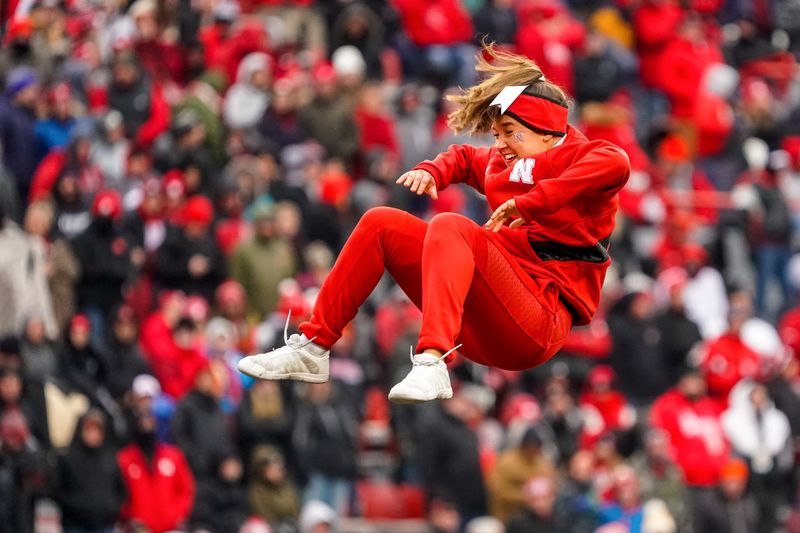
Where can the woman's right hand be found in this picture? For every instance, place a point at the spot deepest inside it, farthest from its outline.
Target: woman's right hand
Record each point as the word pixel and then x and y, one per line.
pixel 419 181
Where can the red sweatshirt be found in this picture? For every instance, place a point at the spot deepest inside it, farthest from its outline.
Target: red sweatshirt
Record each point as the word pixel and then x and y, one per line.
pixel 698 443
pixel 161 492
pixel 567 195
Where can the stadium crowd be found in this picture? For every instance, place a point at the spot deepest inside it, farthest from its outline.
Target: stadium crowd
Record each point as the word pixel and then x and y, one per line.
pixel 177 177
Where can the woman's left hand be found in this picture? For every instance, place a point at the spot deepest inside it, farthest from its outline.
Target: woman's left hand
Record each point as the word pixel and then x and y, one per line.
pixel 502 213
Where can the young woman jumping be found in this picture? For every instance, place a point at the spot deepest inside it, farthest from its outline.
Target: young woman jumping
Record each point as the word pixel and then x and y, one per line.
pixel 505 294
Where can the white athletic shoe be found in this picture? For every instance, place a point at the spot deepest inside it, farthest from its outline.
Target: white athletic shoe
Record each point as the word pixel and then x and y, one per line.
pixel 428 380
pixel 298 360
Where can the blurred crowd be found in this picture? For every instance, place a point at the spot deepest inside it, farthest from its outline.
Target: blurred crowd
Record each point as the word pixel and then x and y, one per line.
pixel 177 177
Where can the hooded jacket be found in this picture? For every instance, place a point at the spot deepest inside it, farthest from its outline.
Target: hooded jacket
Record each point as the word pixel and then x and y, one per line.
pixel 762 437
pixel 91 490
pixel 160 491
pixel 244 103
pixel 274 502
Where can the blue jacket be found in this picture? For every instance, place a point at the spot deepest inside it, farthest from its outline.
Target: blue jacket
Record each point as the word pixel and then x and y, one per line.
pixel 18 140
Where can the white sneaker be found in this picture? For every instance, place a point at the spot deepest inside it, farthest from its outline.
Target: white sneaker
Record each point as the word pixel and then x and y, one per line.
pixel 428 380
pixel 298 360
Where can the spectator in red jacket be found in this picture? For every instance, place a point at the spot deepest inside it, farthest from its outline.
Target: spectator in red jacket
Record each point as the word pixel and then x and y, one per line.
pixel 549 35
pixel 159 484
pixel 438 34
pixel 157 327
pixel 375 124
pixel 656 23
pixel 692 421
pixel 682 65
pixel 789 329
pixel 604 408
pixel 180 360
pixel 162 60
pixel 728 359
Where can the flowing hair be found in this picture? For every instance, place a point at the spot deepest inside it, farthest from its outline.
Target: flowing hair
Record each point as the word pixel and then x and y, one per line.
pixel 475 115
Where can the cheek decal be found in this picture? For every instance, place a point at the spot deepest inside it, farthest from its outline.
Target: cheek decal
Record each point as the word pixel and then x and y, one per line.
pixel 519 137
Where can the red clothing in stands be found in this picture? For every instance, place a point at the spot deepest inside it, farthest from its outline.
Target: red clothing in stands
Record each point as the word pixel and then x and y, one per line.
pixel 698 443
pixel 161 492
pixel 725 361
pixel 681 69
pixel 656 24
pixel 430 22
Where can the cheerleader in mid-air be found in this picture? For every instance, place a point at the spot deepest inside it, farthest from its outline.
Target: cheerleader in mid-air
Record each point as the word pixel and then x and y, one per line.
pixel 504 294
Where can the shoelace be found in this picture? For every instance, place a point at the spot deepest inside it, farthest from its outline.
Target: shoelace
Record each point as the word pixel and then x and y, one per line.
pixel 286 338
pixel 430 363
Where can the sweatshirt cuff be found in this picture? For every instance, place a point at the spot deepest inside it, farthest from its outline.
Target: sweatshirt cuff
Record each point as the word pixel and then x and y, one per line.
pixel 531 203
pixel 431 169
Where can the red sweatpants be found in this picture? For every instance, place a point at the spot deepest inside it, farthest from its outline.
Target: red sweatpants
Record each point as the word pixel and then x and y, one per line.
pixel 470 289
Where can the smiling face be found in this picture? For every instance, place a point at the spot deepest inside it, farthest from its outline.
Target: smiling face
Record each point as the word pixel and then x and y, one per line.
pixel 515 141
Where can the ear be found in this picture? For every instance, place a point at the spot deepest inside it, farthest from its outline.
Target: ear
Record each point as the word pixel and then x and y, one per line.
pixel 548 139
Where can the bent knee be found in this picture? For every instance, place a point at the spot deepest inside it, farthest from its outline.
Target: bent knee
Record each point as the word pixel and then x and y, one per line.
pixel 381 217
pixel 449 222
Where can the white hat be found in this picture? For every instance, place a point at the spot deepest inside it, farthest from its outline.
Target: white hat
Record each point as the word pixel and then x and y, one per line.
pixel 348 60
pixel 145 385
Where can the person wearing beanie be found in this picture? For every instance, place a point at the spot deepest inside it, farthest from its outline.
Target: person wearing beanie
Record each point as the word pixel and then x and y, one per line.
pixel 514 467
pixel 730 508
pixel 507 293
pixel 328 118
pixel 271 494
pixel 90 502
pixel 18 126
pixel 104 255
pixel 190 259
pixel 260 263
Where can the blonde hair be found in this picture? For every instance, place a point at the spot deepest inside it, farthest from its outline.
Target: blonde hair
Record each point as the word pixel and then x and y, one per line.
pixel 475 115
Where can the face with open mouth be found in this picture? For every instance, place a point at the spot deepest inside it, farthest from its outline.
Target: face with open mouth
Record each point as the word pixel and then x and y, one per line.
pixel 515 141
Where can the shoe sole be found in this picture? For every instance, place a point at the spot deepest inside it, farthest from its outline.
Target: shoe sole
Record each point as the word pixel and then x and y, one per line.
pixel 293 376
pixel 408 400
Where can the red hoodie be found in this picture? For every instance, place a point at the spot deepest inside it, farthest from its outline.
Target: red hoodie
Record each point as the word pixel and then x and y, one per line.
pixel 430 22
pixel 567 195
pixel 725 362
pixel 656 24
pixel 161 493
pixel 698 443
pixel 681 69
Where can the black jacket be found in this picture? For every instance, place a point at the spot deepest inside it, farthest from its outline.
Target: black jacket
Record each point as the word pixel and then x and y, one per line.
pixel 678 336
pixel 172 263
pixel 125 362
pixel 104 256
pixel 91 489
pixel 636 354
pixel 712 512
pixel 527 522
pixel 220 506
pixel 448 455
pixel 200 430
pixel 324 437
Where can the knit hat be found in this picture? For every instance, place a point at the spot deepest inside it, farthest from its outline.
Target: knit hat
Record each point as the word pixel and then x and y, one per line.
pixel 19 79
pixel 80 321
pixel 198 210
pixel 107 203
pixel 734 470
